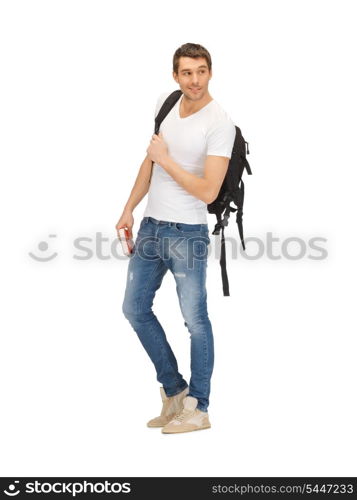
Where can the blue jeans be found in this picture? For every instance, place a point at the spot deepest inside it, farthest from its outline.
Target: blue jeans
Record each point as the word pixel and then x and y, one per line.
pixel 181 248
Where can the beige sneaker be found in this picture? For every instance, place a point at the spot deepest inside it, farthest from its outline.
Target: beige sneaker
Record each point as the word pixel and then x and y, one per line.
pixel 189 419
pixel 170 407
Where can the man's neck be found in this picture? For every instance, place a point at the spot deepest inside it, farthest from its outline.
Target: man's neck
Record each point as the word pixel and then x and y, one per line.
pixel 189 106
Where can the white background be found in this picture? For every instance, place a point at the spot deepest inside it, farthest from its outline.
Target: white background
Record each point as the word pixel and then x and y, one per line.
pixel 79 84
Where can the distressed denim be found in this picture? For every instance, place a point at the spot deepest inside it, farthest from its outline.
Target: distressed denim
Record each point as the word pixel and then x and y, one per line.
pixel 182 249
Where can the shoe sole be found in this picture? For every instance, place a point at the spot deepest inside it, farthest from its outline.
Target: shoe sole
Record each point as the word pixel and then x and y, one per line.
pixel 190 430
pixel 160 425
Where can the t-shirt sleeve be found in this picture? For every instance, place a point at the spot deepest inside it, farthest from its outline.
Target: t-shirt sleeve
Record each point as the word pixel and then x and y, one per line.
pixel 160 101
pixel 220 138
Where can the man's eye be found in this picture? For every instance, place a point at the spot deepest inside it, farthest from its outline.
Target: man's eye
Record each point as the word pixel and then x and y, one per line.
pixel 201 71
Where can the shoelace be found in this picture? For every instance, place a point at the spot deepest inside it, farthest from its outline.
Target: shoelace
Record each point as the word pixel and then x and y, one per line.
pixel 183 414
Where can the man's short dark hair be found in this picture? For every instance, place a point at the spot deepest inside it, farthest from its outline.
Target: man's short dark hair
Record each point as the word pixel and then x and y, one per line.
pixel 193 50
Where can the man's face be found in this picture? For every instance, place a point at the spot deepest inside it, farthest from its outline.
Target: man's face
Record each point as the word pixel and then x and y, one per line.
pixel 193 77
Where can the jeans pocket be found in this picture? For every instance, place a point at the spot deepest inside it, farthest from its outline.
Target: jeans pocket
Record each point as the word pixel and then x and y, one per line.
pixel 188 228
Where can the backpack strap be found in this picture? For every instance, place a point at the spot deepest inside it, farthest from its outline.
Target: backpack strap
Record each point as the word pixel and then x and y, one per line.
pixel 239 203
pixel 165 109
pixel 220 225
pixel 247 166
pixel 239 200
pixel 223 264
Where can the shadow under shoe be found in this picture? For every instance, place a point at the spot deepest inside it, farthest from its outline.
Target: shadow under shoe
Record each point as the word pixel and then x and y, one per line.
pixel 171 405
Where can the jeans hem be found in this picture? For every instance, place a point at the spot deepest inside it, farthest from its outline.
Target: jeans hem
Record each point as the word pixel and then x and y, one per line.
pixel 177 392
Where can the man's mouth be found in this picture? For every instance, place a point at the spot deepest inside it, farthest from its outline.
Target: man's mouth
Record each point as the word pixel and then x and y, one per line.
pixel 194 89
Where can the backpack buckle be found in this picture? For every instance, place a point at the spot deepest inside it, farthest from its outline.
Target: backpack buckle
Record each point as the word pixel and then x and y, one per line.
pixel 225 219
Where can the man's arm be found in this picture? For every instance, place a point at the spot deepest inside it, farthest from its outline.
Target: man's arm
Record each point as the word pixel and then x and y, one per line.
pixel 139 190
pixel 205 188
pixel 141 185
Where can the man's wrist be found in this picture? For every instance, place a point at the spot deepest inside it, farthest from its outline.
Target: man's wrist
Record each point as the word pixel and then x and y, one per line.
pixel 165 162
pixel 128 210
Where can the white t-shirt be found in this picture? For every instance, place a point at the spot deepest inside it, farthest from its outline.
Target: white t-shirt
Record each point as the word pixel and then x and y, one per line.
pixel 209 131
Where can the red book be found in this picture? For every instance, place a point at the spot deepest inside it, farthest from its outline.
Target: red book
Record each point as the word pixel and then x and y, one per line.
pixel 126 241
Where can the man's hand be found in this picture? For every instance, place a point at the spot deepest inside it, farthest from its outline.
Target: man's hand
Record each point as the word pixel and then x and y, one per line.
pixel 157 150
pixel 126 220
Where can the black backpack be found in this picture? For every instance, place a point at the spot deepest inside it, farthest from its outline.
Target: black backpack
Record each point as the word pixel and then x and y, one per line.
pixel 232 189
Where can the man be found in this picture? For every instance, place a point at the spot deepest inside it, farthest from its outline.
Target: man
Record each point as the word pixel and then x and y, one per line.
pixel 191 155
